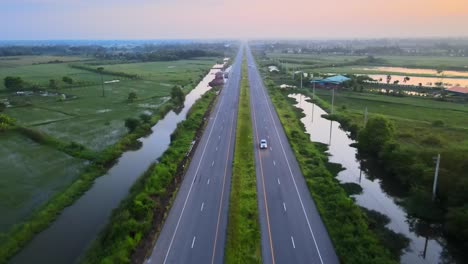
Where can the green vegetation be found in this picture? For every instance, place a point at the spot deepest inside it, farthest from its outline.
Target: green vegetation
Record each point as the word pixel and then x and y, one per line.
pixel 348 227
pixel 140 216
pixel 43 170
pixel 422 129
pixel 85 131
pixel 337 61
pixel 243 235
pixel 177 95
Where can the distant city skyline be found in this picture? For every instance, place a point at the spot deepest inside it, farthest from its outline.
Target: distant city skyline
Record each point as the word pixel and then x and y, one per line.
pixel 199 19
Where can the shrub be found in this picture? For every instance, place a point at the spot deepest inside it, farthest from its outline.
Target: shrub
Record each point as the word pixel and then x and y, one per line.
pixel 378 132
pixel 438 123
pixel 131 124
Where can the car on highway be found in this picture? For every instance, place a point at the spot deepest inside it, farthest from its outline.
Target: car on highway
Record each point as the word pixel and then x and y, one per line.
pixel 263 144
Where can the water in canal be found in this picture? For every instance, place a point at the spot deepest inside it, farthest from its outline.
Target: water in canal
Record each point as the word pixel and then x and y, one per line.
pixel 373 195
pixel 78 225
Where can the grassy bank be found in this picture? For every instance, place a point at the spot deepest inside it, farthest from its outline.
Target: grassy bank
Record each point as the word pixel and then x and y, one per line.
pixel 243 235
pixel 347 225
pixel 422 129
pixel 22 233
pixel 138 219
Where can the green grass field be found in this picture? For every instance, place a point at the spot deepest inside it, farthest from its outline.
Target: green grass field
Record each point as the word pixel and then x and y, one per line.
pixel 31 174
pixel 16 61
pixel 311 62
pixel 93 120
pixel 84 117
pixel 412 115
pixel 42 73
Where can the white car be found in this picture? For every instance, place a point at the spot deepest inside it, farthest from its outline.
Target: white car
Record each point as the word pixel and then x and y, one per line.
pixel 263 144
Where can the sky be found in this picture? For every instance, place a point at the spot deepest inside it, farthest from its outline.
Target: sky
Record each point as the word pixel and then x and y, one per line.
pixel 197 19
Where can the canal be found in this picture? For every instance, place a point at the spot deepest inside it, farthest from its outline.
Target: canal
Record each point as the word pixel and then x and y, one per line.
pixel 374 196
pixel 68 237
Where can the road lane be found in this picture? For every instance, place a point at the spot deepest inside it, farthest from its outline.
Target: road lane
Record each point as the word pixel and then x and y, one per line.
pixel 292 230
pixel 195 229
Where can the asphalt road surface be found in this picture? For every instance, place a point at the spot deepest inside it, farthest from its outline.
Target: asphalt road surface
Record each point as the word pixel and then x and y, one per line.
pixel 291 227
pixel 195 229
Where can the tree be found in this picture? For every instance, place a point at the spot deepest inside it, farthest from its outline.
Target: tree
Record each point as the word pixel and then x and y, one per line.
pixel 406 79
pixel 396 82
pixel 389 78
pixel 67 80
pixel 53 84
pixel 377 133
pixel 132 96
pixel 2 107
pixel 131 124
pixel 145 118
pixel 177 95
pixel 13 83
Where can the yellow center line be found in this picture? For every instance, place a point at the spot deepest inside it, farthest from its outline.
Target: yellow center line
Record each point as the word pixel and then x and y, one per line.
pixel 222 190
pixel 264 191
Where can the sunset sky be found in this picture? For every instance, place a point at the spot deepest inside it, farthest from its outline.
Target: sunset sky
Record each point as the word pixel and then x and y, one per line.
pixel 155 19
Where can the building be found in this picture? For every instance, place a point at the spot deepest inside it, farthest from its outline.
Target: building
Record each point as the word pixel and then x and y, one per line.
pixel 457 91
pixel 273 68
pixel 331 82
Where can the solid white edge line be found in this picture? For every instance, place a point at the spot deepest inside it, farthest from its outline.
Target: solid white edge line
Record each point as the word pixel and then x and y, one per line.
pixel 208 182
pixel 193 241
pixel 290 171
pixel 191 185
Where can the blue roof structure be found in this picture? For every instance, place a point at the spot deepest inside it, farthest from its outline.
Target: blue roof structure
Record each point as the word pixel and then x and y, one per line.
pixel 338 79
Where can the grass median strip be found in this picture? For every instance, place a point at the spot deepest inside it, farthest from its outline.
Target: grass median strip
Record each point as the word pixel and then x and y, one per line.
pixel 243 238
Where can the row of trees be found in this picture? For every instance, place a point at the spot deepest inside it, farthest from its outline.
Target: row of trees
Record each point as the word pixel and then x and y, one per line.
pixel 413 169
pixel 15 83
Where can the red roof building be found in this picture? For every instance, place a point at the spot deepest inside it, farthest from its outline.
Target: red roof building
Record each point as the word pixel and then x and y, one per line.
pixel 458 90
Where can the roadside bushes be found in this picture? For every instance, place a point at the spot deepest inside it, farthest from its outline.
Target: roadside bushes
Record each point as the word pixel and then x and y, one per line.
pixel 378 132
pixel 6 122
pixel 347 226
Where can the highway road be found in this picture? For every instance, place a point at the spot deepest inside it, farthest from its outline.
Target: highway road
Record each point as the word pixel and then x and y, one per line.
pixel 291 227
pixel 195 229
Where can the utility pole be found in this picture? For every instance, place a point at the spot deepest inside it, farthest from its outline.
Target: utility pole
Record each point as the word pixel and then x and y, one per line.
pixel 333 99
pixel 435 176
pixel 301 79
pixel 313 96
pixel 100 70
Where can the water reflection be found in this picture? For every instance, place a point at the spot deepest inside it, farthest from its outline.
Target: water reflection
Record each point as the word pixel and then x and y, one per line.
pixel 415 71
pixel 373 196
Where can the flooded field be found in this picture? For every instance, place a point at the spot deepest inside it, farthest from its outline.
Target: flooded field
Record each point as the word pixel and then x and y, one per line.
pixel 423 81
pixel 411 71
